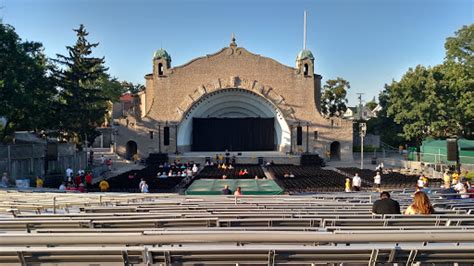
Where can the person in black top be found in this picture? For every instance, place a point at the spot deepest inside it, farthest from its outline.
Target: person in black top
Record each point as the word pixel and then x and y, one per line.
pixel 226 190
pixel 386 205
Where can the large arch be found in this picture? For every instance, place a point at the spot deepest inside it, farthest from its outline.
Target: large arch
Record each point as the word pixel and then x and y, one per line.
pixel 233 103
pixel 131 149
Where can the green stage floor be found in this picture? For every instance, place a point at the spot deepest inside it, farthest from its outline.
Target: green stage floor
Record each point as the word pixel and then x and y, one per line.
pixel 248 186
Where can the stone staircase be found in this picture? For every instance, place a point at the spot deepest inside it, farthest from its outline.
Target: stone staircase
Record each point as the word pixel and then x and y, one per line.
pixel 119 164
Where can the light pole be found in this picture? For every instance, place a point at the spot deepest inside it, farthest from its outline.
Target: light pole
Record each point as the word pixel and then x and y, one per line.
pixel 362 131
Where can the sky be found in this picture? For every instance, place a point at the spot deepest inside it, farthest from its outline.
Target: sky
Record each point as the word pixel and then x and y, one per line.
pixel 367 42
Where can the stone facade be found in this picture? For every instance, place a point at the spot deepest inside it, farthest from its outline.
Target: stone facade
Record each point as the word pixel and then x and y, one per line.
pixel 173 93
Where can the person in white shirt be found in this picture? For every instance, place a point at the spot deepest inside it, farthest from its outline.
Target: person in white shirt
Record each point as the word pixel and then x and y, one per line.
pixel 142 182
pixel 195 169
pixel 69 172
pixel 459 187
pixel 144 187
pixel 62 187
pixel 356 182
pixel 377 181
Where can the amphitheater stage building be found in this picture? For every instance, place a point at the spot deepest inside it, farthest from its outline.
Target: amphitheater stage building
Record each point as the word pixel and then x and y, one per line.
pixel 231 100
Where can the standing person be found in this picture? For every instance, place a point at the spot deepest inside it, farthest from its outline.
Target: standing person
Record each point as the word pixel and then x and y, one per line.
pixel 226 190
pixel 347 185
pixel 238 191
pixel 385 205
pixel 39 182
pixel 142 182
pixel 69 173
pixel 89 179
pixel 195 169
pixel 104 185
pixel 446 179
pixel 420 183
pixel 5 181
pixel 91 158
pixel 356 182
pixel 108 162
pixel 78 179
pixel 102 159
pixel 455 178
pixel 144 187
pixel 377 181
pixel 421 204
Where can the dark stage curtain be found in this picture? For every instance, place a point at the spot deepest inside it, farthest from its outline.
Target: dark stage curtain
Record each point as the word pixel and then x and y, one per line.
pixel 233 134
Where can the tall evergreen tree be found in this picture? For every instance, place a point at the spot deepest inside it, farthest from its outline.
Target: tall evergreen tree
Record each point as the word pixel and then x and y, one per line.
pixel 82 102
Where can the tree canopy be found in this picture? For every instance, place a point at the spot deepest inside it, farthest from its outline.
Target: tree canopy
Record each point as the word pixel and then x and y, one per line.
pixel 437 101
pixel 26 90
pixel 333 99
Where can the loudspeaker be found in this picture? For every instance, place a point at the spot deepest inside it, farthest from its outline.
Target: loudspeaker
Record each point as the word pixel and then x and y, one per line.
pixel 52 151
pixel 452 147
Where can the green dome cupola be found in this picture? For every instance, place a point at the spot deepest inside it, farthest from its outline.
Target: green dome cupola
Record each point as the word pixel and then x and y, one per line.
pixel 305 54
pixel 162 54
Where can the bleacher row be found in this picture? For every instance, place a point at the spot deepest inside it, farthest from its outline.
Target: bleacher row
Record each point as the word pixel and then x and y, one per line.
pixel 125 183
pixel 390 179
pixel 306 178
pixel 168 229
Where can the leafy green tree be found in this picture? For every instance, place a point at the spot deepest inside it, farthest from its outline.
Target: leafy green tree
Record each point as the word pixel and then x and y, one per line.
pixel 458 70
pixel 333 99
pixel 437 101
pixel 460 48
pixel 26 91
pixel 372 104
pixel 83 96
pixel 383 125
pixel 132 88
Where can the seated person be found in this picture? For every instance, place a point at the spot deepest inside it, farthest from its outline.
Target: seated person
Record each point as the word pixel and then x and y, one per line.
pixel 230 167
pixel 238 191
pixel 224 177
pixel 163 175
pixel 226 190
pixel 385 205
pixel 421 204
pixel 291 175
pixel 449 193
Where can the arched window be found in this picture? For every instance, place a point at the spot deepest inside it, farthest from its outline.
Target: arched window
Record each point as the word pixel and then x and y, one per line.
pixel 160 69
pixel 306 69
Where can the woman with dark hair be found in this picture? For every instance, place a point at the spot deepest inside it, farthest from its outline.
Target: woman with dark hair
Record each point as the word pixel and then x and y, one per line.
pixel 238 191
pixel 421 204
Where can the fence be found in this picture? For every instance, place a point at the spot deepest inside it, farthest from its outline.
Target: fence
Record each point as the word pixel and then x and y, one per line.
pixel 28 160
pixel 439 161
